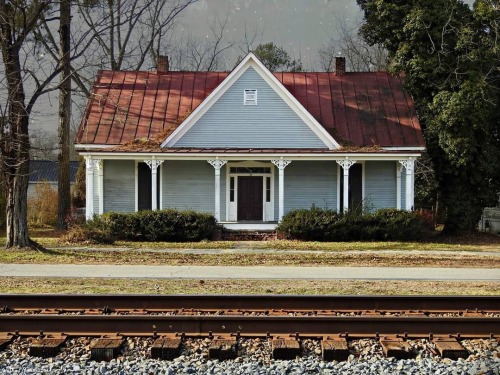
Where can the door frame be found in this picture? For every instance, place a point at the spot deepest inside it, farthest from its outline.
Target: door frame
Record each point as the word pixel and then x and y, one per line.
pixel 232 207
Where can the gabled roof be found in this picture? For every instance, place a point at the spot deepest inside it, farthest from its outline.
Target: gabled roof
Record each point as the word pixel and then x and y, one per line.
pixel 251 61
pixel 358 109
pixel 46 170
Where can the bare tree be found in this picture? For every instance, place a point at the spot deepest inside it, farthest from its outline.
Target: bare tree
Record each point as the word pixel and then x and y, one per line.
pixel 128 32
pixel 203 54
pixel 360 57
pixel 118 34
pixel 43 145
pixel 251 39
pixel 18 19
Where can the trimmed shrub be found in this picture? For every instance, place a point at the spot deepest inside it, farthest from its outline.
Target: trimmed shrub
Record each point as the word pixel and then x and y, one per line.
pixel 163 225
pixel 123 226
pixel 308 224
pixel 316 224
pixel 400 225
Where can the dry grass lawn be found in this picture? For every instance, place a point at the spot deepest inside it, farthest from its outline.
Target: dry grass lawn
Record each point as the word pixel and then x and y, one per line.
pixel 306 287
pixel 174 258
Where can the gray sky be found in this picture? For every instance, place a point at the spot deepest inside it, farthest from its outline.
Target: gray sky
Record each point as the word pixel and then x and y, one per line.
pixel 300 26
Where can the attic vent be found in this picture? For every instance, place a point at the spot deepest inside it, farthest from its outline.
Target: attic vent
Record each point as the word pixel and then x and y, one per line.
pixel 250 97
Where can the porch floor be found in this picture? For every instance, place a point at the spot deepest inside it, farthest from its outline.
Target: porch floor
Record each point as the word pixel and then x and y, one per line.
pixel 250 225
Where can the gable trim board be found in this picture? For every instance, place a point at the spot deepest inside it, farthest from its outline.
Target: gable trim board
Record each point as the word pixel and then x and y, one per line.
pixel 251 61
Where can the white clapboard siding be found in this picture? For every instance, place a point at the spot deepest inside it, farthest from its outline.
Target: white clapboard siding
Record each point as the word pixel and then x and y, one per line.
pixel 269 124
pixel 119 186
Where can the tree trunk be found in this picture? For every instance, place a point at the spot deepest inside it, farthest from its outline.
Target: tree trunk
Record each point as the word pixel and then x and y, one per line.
pixel 15 153
pixel 63 180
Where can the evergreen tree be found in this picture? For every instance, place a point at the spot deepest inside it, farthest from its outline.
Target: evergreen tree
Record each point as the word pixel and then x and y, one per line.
pixel 450 56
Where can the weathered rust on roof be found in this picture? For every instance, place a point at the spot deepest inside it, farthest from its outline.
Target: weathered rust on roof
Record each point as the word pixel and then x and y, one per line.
pixel 136 109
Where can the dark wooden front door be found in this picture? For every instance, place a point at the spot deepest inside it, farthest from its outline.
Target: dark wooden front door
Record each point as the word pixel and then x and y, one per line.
pixel 250 199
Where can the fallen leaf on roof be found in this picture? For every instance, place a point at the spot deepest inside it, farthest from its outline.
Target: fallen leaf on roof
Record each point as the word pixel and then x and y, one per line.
pixel 154 143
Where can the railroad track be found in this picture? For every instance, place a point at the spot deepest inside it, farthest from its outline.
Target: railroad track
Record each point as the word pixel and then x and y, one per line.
pixel 286 320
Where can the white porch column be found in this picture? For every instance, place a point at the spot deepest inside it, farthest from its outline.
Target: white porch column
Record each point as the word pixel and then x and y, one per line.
pixel 98 163
pixel 346 164
pixel 217 164
pixel 409 165
pixel 89 187
pixel 281 164
pixel 154 164
pixel 399 167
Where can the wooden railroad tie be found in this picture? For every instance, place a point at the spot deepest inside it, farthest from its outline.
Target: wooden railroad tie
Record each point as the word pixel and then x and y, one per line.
pixel 449 347
pixel 223 349
pixel 106 348
pixel 285 349
pixel 46 345
pixel 396 347
pixel 166 348
pixel 5 340
pixel 334 349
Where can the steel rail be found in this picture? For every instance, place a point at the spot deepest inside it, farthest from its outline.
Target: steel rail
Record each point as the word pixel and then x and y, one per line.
pixel 103 321
pixel 140 325
pixel 248 302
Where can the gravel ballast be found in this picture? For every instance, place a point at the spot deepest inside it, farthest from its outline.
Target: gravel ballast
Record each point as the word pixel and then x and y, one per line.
pixel 365 357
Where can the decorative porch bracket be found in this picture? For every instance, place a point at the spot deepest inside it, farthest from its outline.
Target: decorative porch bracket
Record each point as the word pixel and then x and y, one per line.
pixel 281 164
pixel 346 164
pixel 90 165
pixel 217 164
pixel 409 165
pixel 154 164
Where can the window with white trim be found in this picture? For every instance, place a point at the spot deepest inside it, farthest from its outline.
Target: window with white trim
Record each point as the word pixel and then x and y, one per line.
pixel 250 97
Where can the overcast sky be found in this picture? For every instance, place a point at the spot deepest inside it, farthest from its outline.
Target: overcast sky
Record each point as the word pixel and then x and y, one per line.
pixel 300 26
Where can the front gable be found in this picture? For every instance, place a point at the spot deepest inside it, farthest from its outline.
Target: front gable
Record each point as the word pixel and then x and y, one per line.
pixel 277 121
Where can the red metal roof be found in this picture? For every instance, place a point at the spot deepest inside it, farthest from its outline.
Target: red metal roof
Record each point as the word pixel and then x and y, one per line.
pixel 360 109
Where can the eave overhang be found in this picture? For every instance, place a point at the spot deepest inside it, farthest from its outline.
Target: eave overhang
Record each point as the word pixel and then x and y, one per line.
pixel 240 156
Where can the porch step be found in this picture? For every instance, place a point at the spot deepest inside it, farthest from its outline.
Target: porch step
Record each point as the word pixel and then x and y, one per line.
pixel 248 235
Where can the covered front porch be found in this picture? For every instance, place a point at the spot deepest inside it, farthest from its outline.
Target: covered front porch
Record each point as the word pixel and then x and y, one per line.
pixel 248 191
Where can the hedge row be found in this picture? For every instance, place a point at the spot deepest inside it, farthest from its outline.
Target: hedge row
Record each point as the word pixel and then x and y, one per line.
pixel 317 224
pixel 162 225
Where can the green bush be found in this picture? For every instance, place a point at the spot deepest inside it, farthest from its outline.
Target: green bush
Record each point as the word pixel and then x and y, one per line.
pixel 123 226
pixel 400 225
pixel 308 225
pixel 316 224
pixel 163 225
